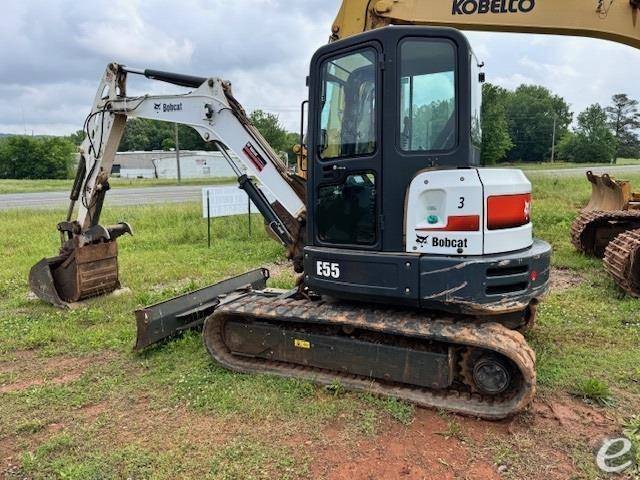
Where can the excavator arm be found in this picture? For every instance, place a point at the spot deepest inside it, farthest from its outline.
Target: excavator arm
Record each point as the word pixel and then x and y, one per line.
pixel 87 263
pixel 616 20
pixel 210 109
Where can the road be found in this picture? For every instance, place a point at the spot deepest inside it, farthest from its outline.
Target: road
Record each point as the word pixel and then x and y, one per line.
pixel 193 193
pixel 115 197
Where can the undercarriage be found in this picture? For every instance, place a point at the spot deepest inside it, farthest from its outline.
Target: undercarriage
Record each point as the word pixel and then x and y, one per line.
pixel 478 368
pixel 473 365
pixel 592 231
pixel 621 261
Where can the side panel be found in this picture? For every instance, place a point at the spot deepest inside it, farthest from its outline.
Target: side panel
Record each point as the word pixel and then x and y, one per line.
pixel 506 182
pixel 444 213
pixel 361 275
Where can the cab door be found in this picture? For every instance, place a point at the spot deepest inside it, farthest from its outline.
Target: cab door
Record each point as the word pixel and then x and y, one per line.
pixel 346 150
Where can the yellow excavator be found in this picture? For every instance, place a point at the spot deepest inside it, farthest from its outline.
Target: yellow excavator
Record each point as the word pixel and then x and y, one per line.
pixel 418 269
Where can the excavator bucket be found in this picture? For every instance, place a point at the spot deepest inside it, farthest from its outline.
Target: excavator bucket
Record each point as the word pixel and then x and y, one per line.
pixel 88 271
pixel 608 194
pixel 41 281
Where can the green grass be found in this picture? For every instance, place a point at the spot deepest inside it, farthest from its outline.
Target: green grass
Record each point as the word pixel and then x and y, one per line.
pixel 29 186
pixel 594 390
pixel 253 426
pixel 563 165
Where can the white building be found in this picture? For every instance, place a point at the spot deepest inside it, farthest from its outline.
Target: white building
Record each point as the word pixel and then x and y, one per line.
pixel 161 164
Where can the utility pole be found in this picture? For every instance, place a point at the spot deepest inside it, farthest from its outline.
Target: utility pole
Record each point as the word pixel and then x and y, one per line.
pixel 177 152
pixel 553 141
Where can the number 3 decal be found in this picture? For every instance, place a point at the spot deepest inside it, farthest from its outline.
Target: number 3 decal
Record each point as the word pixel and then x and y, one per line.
pixel 461 206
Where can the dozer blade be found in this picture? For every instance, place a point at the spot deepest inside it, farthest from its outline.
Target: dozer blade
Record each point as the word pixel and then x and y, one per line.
pixel 87 271
pixel 171 317
pixel 608 194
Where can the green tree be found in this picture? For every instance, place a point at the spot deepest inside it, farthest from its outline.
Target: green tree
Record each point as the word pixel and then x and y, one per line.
pixel 592 141
pixel 273 132
pixel 145 135
pixel 77 138
pixel 23 157
pixel 496 141
pixel 624 120
pixel 168 144
pixel 531 110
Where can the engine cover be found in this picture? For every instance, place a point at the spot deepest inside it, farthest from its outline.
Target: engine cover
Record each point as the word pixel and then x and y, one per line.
pixel 448 212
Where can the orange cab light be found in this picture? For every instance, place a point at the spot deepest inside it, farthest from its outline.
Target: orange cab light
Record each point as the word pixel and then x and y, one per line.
pixel 508 211
pixel 461 223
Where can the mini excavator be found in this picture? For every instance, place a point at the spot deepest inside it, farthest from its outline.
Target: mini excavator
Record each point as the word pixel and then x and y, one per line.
pixel 418 269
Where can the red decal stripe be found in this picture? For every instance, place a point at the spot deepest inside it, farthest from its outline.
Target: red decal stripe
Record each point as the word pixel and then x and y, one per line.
pixel 255 157
pixel 461 223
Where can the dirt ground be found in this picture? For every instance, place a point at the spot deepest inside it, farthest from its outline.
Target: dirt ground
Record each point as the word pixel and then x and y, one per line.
pixel 564 279
pixel 434 445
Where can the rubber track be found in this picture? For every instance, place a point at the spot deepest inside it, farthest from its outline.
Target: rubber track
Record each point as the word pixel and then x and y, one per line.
pixel 584 226
pixel 621 261
pixel 491 336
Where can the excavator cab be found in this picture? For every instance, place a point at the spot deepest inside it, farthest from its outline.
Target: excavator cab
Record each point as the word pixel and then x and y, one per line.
pixel 394 195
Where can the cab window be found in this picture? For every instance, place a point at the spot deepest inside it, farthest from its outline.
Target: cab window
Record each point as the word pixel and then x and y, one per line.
pixel 347 211
pixel 348 105
pixel 427 120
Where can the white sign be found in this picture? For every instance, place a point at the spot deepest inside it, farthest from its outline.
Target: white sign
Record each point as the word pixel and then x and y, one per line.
pixel 228 201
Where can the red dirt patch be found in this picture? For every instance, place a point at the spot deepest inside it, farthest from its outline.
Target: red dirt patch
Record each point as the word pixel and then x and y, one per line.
pixel 419 451
pixel 26 370
pixel 562 279
pixel 542 443
pixel 17 386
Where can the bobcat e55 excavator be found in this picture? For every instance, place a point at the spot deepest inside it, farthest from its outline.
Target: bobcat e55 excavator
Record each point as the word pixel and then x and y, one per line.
pixel 417 267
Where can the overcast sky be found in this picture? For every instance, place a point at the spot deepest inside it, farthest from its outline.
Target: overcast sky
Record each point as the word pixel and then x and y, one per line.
pixel 53 53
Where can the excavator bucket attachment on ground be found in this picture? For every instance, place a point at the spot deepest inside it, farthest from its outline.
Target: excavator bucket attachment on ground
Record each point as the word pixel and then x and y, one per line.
pixel 613 209
pixel 88 271
pixel 608 194
pixel 167 319
pixel 42 283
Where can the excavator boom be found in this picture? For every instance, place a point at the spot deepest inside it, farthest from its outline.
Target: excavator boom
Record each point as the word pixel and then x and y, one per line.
pixel 87 262
pixel 616 20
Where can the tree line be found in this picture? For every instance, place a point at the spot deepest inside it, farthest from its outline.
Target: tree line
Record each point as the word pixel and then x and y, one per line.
pixel 28 157
pixel 528 124
pixel 532 124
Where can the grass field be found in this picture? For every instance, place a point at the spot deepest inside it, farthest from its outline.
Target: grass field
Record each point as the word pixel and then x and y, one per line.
pixel 76 403
pixel 28 186
pixel 563 165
